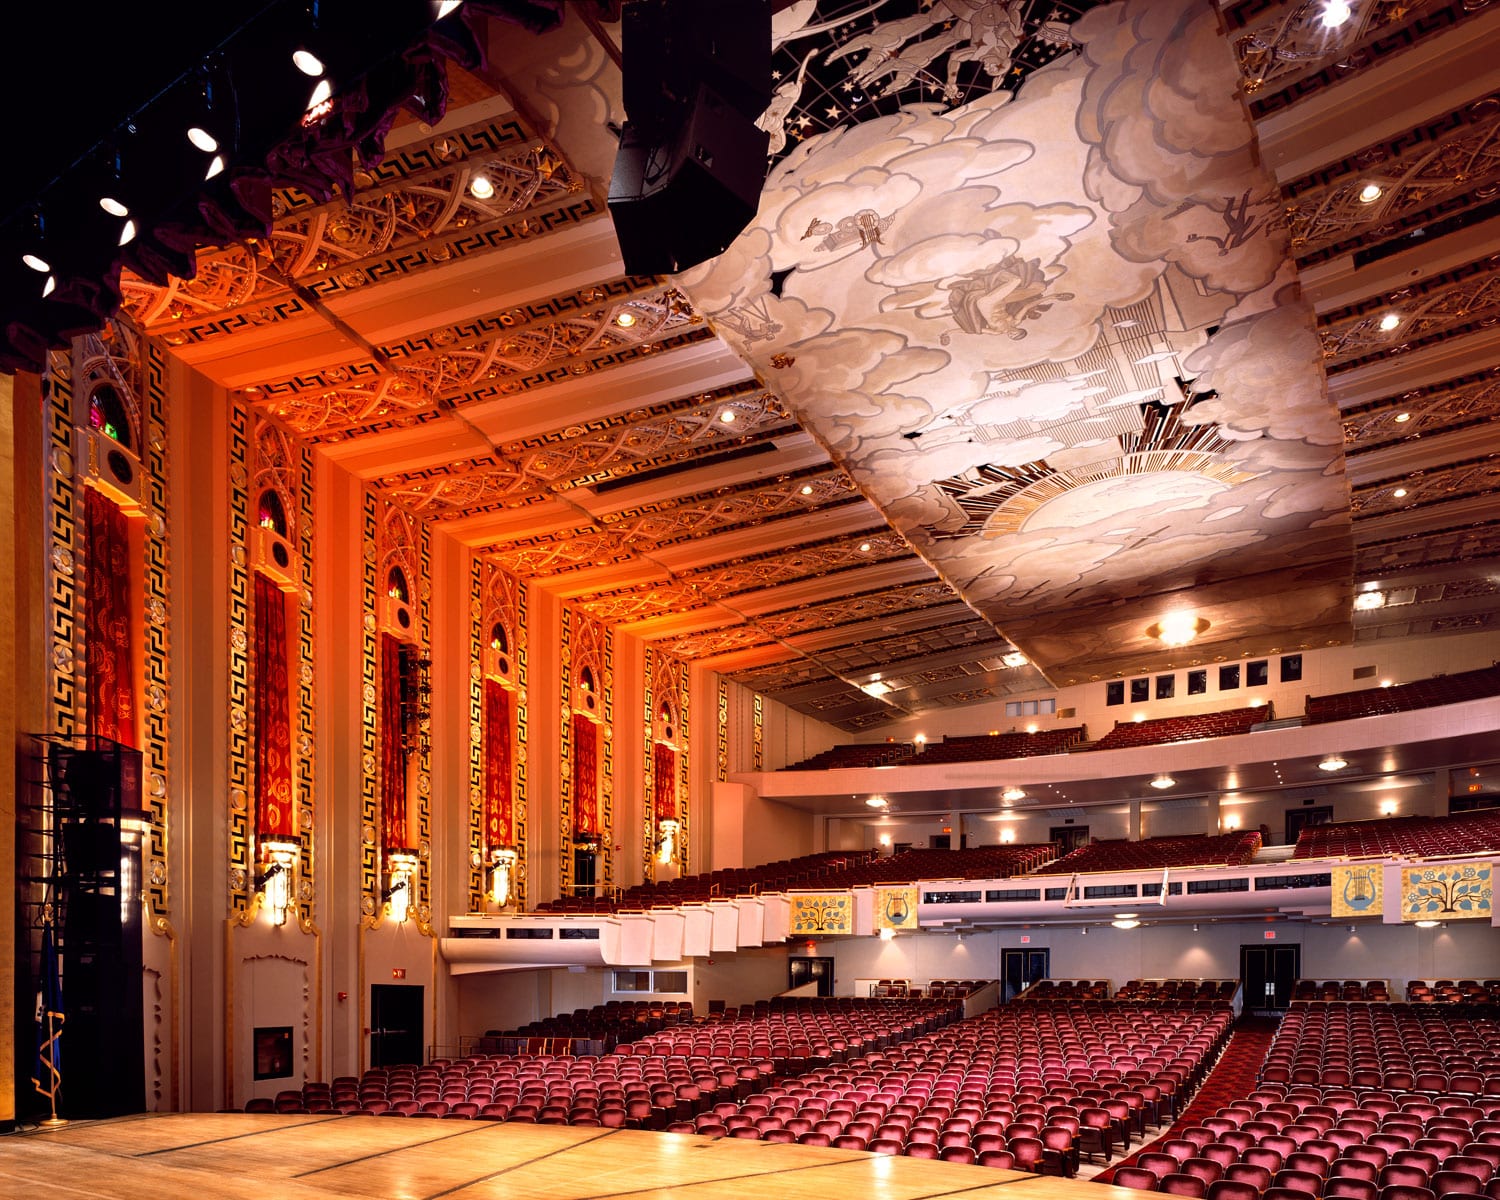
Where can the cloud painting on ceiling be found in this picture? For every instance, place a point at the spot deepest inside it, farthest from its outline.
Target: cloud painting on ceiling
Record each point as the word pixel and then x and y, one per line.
pixel 1051 328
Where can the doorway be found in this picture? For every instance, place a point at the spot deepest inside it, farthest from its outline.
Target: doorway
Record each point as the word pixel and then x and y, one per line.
pixel 1267 974
pixel 1069 837
pixel 1020 968
pixel 395 1024
pixel 1298 819
pixel 802 971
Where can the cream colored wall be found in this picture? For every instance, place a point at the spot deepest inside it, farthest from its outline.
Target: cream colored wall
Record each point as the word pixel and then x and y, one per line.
pixel 1329 951
pixel 1324 671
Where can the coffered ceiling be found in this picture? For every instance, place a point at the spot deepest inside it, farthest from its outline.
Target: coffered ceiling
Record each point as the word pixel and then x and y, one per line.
pixel 1055 318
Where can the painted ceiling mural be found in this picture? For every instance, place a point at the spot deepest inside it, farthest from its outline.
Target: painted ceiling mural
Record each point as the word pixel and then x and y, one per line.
pixel 1049 327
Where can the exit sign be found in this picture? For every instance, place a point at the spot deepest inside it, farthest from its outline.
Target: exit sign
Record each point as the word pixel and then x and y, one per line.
pixel 1025 939
pixel 1270 935
pixel 398 972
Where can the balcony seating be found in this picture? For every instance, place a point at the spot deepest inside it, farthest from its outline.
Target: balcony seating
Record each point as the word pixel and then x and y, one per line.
pixel 1424 693
pixel 1403 837
pixel 857 754
pixel 989 747
pixel 1152 854
pixel 833 869
pixel 1183 729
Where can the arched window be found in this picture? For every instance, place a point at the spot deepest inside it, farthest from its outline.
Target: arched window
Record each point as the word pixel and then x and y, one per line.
pixel 271 513
pixel 396 587
pixel 107 414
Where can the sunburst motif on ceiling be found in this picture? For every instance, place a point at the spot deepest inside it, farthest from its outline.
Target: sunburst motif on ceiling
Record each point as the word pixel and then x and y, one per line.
pixel 999 500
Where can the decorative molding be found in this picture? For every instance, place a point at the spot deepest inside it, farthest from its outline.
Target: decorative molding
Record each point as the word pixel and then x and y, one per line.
pixel 1439 408
pixel 240 701
pixel 65 565
pixel 721 772
pixel 1291 53
pixel 1436 310
pixel 1421 175
pixel 369 859
pixel 758 736
pixel 478 639
pixel 157 744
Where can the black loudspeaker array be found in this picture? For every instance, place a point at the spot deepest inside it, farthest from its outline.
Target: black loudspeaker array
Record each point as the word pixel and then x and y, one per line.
pixel 691 162
pixel 91 883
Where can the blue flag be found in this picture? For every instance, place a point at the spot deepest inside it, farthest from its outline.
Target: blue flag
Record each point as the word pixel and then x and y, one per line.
pixel 49 1022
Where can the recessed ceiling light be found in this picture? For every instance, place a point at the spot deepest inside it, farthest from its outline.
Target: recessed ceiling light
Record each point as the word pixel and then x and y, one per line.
pixel 1403 418
pixel 1012 794
pixel 1335 13
pixel 1177 628
pixel 876 802
pixel 625 320
pixel 1428 924
pixel 1125 922
pixel 1366 601
pixel 481 188
pixel 876 689
pixel 1162 782
pixel 1370 193
pixel 1399 493
pixel 1014 659
pixel 807 489
pixel 1389 322
pixel 726 415
pixel 1333 762
pixel 864 547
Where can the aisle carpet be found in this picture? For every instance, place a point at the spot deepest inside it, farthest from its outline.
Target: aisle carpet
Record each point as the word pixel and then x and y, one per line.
pixel 1233 1078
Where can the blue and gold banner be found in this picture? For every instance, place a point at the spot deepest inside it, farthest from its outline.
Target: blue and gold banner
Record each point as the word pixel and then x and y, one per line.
pixel 1447 892
pixel 896 908
pixel 823 912
pixel 1359 891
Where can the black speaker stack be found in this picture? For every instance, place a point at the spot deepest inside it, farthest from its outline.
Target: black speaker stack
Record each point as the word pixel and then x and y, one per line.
pixel 687 178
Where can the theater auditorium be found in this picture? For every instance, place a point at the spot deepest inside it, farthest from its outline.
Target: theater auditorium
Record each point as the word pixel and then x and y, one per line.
pixel 786 597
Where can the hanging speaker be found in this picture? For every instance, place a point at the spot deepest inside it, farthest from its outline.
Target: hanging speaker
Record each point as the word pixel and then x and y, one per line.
pixel 691 163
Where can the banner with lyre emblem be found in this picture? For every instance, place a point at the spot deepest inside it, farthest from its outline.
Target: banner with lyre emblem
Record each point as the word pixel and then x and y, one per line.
pixel 896 908
pixel 822 912
pixel 1358 891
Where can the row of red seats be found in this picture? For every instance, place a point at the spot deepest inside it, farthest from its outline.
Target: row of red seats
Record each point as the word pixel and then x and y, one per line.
pixel 1341 989
pixel 1303 1143
pixel 988 747
pixel 1446 991
pixel 1158 991
pixel 1404 697
pixel 1405 837
pixel 1162 730
pixel 1149 854
pixel 1386 1045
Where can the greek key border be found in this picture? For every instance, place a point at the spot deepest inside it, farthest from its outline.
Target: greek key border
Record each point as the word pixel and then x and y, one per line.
pixel 158 609
pixel 241 687
pixel 476 734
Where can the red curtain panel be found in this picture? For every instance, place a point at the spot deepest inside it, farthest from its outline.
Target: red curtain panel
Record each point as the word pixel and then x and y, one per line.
pixel 108 640
pixel 666 782
pixel 273 724
pixel 585 777
pixel 497 766
pixel 392 757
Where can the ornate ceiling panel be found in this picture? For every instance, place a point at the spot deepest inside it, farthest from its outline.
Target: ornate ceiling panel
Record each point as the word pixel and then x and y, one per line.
pixel 1068 366
pixel 1018 272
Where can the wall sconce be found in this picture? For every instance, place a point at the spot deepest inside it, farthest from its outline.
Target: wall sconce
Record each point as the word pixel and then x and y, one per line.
pixel 1231 821
pixel 275 885
pixel 667 830
pixel 1387 808
pixel 502 875
pixel 403 874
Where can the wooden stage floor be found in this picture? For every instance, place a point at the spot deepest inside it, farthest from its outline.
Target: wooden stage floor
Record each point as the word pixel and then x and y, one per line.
pixel 191 1156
